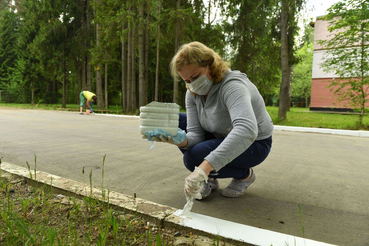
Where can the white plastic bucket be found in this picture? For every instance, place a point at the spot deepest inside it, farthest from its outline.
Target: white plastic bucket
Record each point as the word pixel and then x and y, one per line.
pixel 157 115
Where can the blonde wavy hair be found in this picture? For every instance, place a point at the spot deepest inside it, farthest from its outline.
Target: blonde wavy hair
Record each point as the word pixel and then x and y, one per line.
pixel 198 54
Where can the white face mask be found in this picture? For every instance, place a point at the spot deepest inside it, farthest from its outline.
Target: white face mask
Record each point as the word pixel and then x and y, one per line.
pixel 202 85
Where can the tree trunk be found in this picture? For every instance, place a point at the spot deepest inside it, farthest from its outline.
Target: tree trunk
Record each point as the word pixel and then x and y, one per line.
pixel 64 103
pixel 56 88
pixel 54 84
pixel 266 99
pixel 178 30
pixel 161 98
pixel 99 93
pixel 33 93
pixel 284 89
pixel 106 86
pixel 124 74
pixel 133 67
pixel 157 57
pixel 363 56
pixel 88 47
pixel 306 102
pixel 83 73
pixel 129 69
pixel 84 57
pixel 209 12
pixel 147 50
pixel 141 44
pixel 79 71
pixel 289 88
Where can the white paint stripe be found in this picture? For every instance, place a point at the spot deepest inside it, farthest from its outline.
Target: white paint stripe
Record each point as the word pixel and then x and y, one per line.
pixel 214 226
pixel 288 128
pixel 323 130
pixel 243 233
pixel 121 116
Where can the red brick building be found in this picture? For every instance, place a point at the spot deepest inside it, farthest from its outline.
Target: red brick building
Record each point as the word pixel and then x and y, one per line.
pixel 322 97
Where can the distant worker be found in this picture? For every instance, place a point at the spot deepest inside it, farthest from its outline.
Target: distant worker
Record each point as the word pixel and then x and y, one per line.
pixel 86 98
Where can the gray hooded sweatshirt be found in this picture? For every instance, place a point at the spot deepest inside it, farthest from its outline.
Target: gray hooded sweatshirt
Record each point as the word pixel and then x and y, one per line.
pixel 234 110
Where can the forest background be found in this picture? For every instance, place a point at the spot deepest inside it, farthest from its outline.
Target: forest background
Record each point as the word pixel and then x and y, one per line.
pixel 51 50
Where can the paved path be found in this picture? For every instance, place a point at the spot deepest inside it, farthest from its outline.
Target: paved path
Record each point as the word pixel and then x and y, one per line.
pixel 326 174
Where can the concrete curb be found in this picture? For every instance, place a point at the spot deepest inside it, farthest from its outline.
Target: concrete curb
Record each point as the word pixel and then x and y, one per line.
pixel 163 216
pixel 353 133
pixel 151 211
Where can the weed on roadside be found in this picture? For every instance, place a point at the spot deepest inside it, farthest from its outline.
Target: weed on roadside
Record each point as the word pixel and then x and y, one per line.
pixel 38 216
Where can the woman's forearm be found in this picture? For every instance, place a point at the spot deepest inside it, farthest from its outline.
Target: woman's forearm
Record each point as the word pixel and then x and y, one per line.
pixel 206 167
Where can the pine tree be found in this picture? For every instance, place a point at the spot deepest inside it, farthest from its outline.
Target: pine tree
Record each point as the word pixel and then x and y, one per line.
pixel 8 45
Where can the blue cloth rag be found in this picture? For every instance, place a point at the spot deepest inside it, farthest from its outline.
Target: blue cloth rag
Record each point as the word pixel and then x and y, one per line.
pixel 177 139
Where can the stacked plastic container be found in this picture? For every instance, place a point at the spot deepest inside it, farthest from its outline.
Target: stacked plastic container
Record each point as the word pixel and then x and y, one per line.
pixel 157 115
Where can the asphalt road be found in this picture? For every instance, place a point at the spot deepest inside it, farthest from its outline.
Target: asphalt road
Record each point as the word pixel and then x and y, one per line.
pixel 327 175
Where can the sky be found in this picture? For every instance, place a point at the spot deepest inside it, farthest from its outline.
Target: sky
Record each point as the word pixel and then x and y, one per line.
pixel 319 7
pixel 314 8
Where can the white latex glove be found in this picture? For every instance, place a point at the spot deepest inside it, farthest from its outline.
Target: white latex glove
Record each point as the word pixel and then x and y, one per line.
pixel 194 183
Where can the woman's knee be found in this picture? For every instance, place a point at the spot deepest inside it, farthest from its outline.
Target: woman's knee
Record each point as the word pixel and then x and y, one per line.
pixel 189 161
pixel 195 156
pixel 265 149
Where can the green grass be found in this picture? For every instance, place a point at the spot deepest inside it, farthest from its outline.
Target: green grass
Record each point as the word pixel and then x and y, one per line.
pixel 31 215
pixel 113 109
pixel 34 219
pixel 295 117
pixel 37 106
pixel 304 118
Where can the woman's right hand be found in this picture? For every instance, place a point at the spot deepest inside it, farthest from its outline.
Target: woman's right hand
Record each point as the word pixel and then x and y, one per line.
pixel 179 139
pixel 194 183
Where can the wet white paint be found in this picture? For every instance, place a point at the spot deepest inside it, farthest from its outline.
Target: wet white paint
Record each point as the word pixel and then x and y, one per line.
pixel 243 233
pixel 187 208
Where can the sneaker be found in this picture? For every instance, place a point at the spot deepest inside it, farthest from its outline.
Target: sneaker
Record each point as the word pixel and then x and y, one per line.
pixel 80 113
pixel 209 187
pixel 237 188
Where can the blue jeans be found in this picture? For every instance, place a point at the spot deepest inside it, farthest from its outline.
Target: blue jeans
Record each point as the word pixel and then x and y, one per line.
pixel 239 168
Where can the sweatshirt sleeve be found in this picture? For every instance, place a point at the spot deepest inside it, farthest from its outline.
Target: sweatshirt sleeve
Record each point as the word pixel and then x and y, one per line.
pixel 195 133
pixel 237 99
